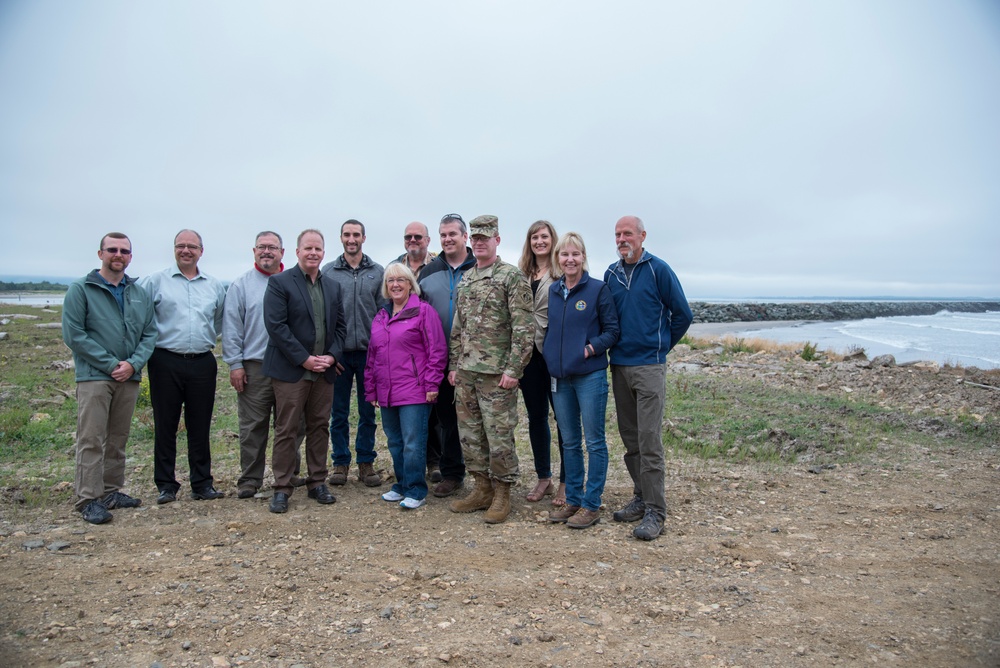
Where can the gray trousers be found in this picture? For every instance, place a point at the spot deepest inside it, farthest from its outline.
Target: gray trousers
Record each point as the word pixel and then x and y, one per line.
pixel 255 406
pixel 640 394
pixel 103 421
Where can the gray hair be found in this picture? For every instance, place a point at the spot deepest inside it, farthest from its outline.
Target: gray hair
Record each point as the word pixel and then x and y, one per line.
pixel 399 270
pixel 269 233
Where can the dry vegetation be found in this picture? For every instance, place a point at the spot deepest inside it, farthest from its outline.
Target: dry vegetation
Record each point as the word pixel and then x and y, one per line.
pixel 822 513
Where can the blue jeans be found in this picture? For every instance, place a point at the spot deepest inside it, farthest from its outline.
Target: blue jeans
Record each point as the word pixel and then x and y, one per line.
pixel 340 427
pixel 577 399
pixel 405 428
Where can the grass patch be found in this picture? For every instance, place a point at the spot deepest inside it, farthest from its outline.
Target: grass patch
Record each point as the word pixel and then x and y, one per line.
pixel 750 421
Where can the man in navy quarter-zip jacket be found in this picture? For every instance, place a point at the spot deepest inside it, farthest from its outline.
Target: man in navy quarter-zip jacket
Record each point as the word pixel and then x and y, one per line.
pixel 654 315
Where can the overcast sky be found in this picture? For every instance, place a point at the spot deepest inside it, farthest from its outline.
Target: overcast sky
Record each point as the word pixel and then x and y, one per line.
pixel 839 148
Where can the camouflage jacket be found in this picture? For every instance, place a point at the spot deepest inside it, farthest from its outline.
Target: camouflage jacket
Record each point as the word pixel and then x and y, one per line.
pixel 494 328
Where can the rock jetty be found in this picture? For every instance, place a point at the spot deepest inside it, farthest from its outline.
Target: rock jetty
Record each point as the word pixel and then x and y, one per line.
pixel 760 311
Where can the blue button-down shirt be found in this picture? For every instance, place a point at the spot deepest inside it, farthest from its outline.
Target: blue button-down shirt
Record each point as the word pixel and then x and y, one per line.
pixel 188 311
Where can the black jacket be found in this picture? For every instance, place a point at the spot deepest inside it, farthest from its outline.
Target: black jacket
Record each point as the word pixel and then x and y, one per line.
pixel 288 318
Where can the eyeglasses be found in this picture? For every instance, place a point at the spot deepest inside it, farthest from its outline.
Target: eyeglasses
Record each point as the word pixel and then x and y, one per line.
pixel 451 216
pixel 413 237
pixel 273 249
pixel 186 247
pixel 117 251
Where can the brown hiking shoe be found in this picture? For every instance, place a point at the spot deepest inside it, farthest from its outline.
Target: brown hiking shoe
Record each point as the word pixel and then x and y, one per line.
pixel 368 475
pixel 447 487
pixel 480 498
pixel 500 508
pixel 563 514
pixel 584 518
pixel 339 475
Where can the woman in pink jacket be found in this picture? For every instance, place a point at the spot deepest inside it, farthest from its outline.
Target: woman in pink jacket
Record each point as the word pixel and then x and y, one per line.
pixel 407 354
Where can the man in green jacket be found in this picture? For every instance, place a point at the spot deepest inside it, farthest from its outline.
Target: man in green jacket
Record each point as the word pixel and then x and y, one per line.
pixel 108 324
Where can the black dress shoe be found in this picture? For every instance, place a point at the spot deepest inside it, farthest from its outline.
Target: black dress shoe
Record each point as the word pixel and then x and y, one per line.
pixel 322 494
pixel 279 503
pixel 207 494
pixel 166 496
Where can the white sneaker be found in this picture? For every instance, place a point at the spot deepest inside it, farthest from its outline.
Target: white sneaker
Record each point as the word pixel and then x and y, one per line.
pixel 410 504
pixel 392 496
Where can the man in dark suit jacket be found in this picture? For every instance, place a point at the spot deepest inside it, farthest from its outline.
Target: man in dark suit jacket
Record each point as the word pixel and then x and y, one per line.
pixel 304 318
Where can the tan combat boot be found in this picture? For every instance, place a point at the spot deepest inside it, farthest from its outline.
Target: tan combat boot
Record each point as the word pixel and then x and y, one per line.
pixel 500 508
pixel 479 499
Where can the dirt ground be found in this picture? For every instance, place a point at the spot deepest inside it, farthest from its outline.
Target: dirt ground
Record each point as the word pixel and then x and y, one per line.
pixel 883 562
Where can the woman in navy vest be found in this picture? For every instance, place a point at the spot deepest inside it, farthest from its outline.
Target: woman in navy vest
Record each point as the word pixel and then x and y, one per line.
pixel 583 325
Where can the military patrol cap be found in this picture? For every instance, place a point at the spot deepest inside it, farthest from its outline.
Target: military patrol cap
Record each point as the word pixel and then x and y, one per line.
pixel 486 226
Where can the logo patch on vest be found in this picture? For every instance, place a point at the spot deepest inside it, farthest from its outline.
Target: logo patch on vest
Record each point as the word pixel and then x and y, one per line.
pixel 581 305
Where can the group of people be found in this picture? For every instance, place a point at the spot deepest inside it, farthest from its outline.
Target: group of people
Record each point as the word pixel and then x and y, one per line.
pixel 439 344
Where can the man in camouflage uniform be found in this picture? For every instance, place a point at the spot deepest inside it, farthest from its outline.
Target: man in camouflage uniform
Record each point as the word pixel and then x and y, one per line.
pixel 491 341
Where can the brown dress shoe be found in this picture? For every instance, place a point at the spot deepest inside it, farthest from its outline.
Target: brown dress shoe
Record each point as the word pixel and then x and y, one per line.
pixel 447 487
pixel 584 518
pixel 339 475
pixel 368 475
pixel 563 514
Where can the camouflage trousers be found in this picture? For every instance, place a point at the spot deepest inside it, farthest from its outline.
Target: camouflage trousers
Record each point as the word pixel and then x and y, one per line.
pixel 487 414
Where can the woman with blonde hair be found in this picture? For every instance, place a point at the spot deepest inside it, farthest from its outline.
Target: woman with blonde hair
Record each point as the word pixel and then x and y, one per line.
pixel 582 327
pixel 536 263
pixel 407 354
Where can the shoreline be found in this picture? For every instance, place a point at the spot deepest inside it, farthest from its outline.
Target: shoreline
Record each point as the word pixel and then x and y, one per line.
pixel 704 329
pixel 756 313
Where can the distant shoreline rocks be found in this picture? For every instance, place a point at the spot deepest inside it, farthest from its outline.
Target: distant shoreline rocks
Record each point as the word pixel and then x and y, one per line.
pixel 762 312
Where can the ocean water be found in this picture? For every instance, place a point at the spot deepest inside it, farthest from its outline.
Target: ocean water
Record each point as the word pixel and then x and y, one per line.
pixel 25 299
pixel 969 339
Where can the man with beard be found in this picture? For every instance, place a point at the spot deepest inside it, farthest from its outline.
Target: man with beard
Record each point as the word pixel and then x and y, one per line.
pixel 416 241
pixel 360 281
pixel 654 315
pixel 108 324
pixel 244 339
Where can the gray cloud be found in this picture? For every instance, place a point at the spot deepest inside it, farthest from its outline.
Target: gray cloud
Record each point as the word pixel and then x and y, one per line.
pixel 774 148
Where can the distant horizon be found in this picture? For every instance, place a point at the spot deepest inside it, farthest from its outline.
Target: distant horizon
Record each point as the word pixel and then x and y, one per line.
pixel 64 280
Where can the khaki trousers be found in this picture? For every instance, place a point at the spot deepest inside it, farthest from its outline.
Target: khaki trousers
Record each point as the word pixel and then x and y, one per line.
pixel 103 420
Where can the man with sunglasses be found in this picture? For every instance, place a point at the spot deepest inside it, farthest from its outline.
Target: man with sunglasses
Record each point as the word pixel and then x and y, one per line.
pixel 416 241
pixel 108 324
pixel 182 369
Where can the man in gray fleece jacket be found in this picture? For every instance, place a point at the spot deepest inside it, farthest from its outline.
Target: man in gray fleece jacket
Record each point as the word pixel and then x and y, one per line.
pixel 360 280
pixel 244 339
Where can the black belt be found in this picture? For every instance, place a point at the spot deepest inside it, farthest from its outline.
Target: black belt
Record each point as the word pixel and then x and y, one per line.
pixel 187 356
